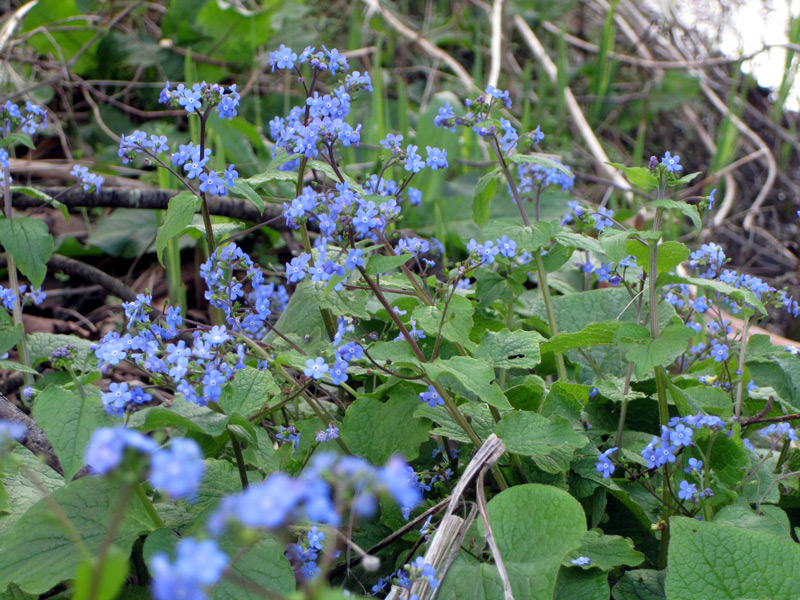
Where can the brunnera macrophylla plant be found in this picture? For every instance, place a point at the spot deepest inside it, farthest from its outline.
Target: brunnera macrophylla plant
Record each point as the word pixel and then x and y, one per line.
pixel 307 434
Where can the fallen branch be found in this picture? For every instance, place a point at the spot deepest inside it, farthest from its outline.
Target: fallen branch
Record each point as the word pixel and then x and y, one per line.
pixel 156 199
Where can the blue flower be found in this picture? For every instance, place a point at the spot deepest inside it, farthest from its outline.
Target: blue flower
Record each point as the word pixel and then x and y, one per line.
pixel 681 436
pixel 316 368
pixel 432 397
pixel 719 352
pixel 116 398
pixel 338 372
pixel 602 218
pixel 282 58
pixel 197 564
pixel 694 465
pixel 178 470
pixel 604 464
pixel 437 158
pixel 315 537
pixel 687 491
pixel 672 163
pixel 603 272
pixel 190 100
pixel 507 247
pixel 413 161
pixel 107 447
pixel 581 561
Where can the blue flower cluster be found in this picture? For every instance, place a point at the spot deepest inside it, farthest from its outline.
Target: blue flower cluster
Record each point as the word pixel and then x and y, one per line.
pixel 303 555
pixel 478 120
pixel 326 435
pixel 201 97
pixel 417 570
pixel 486 253
pixel 197 566
pixel 92 182
pixel 120 398
pixel 538 177
pixel 178 470
pixel 187 156
pixel 280 499
pixel 8 298
pixel 245 311
pixel 29 119
pixel 321 121
pixel 709 260
pixel 197 370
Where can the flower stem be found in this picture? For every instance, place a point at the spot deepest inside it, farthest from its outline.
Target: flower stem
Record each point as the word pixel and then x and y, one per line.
pixel 148 506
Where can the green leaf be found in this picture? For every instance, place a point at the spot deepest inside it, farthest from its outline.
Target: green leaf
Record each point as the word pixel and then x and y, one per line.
pixel 14 366
pixel 32 192
pixel 535 526
pixel 551 442
pixel 782 373
pixel 30 243
pixel 250 390
pixel 543 160
pixel 478 414
pixel 614 243
pixel 263 563
pixel 484 192
pixel 273 173
pixel 324 167
pixel 301 318
pixel 38 553
pixel 17 138
pixel 772 520
pixel 41 346
pixel 670 255
pixel 606 551
pixel 376 430
pixel 651 353
pixel 591 335
pixel 457 322
pixel 379 264
pixel 638 176
pixel 641 584
pixel 26 483
pixel 709 560
pixel 510 349
pixel 476 377
pixel 242 188
pixel 180 212
pixel 740 295
pixel 729 460
pixel 689 210
pixel 242 429
pixel 556 257
pixel 192 417
pixel 14 593
pixel 352 303
pixel 113 572
pixel 571 239
pixel 10 335
pixel 686 178
pixel 575 583
pixel 69 421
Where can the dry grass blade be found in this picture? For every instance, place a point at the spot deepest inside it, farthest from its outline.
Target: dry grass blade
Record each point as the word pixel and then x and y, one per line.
pixel 452 529
pixel 427 46
pixel 575 111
